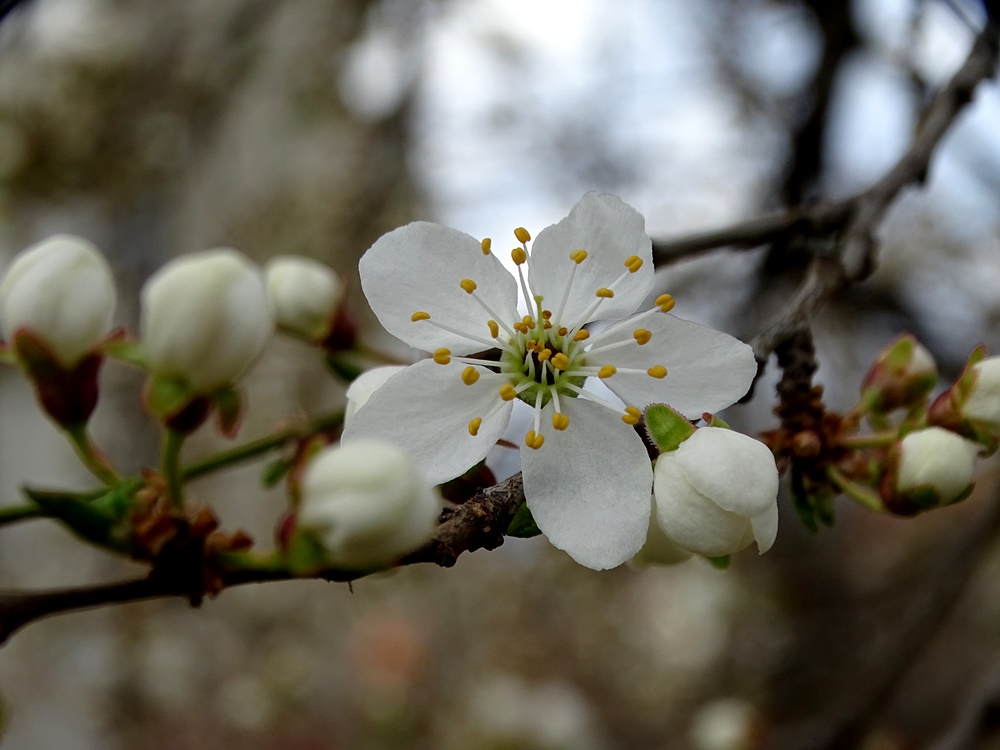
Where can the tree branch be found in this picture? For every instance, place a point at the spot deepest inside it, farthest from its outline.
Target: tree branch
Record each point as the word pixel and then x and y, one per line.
pixel 479 523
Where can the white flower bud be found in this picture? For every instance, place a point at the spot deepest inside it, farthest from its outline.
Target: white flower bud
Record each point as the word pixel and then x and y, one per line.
pixel 717 493
pixel 61 289
pixel 205 319
pixel 304 295
pixel 982 405
pixel 935 460
pixel 659 549
pixel 367 504
pixel 363 386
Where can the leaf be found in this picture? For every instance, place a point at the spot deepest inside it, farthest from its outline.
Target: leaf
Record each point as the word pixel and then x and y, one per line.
pixel 719 563
pixel 304 554
pixel 667 428
pixel 523 525
pixel 95 522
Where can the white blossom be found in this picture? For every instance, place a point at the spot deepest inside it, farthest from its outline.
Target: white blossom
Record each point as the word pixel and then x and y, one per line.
pixel 367 504
pixel 205 319
pixel 936 460
pixel 717 493
pixel 587 475
pixel 982 404
pixel 304 295
pixel 61 290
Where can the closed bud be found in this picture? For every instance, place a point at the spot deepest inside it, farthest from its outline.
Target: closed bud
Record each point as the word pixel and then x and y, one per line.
pixel 659 549
pixel 205 319
pixel 717 492
pixel 903 375
pixel 305 295
pixel 982 403
pixel 60 291
pixel 366 504
pixel 929 468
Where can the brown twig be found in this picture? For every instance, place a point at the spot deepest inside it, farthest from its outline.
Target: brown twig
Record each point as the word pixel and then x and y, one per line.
pixel 479 523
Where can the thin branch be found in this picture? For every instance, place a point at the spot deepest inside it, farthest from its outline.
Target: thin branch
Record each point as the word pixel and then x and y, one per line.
pixel 479 523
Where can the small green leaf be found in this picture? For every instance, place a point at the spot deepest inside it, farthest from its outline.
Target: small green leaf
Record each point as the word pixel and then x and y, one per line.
pixel 89 521
pixel 305 554
pixel 123 350
pixel 666 427
pixel 720 563
pixel 523 525
pixel 275 471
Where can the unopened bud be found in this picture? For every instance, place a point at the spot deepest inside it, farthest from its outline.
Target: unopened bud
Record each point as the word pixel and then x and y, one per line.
pixel 903 375
pixel 304 295
pixel 982 404
pixel 933 467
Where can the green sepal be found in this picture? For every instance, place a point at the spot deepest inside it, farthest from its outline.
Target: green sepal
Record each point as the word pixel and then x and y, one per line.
pixel 228 403
pixel 166 397
pixel 719 563
pixel 304 554
pixel 667 428
pixel 711 420
pixel 523 525
pixel 275 471
pixel 123 350
pixel 100 522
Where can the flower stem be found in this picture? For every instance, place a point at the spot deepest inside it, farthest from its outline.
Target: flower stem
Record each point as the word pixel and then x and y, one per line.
pixel 91 456
pixel 170 465
pixel 255 448
pixel 14 513
pixel 875 440
pixel 858 492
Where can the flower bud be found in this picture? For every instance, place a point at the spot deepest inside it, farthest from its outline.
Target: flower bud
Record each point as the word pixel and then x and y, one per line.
pixel 366 504
pixel 363 386
pixel 659 549
pixel 205 319
pixel 933 467
pixel 304 295
pixel 717 493
pixel 982 404
pixel 903 375
pixel 61 291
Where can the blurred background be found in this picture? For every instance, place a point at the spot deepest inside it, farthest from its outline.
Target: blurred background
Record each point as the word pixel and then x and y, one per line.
pixel 312 127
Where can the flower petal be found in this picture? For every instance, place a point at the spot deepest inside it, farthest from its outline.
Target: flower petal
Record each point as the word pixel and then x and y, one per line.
pixel 588 485
pixel 765 528
pixel 659 549
pixel 419 268
pixel 707 370
pixel 692 520
pixel 425 410
pixel 610 231
pixel 733 469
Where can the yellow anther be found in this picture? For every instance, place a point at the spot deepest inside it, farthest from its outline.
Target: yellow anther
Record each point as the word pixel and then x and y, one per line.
pixel 494 328
pixel 470 375
pixel 546 325
pixel 420 315
pixel 605 293
pixel 518 255
pixel 607 371
pixel 632 415
pixel 533 441
pixel 665 302
pixel 520 327
pixel 657 371
pixel 582 335
pixel 642 336
pixel 578 256
pixel 546 314
pixel 528 321
pixel 560 361
pixel 468 285
pixel 522 234
pixel 560 421
pixel 633 263
pixel 487 244
pixel 507 392
pixel 544 354
pixel 442 356
pixel 474 426
pixel 563 331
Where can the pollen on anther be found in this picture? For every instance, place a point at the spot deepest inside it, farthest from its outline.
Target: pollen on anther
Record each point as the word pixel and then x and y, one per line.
pixel 507 392
pixel 520 327
pixel 420 315
pixel 633 263
pixel 560 421
pixel 522 234
pixel 581 335
pixel 607 371
pixel 442 356
pixel 518 255
pixel 470 375
pixel 533 440
pixel 494 328
pixel 665 302
pixel 468 285
pixel 563 331
pixel 546 314
pixel 528 321
pixel 642 336
pixel 487 244
pixel 657 371
pixel 544 354
pixel 632 415
pixel 578 256
pixel 605 293
pixel 560 361
pixel 474 426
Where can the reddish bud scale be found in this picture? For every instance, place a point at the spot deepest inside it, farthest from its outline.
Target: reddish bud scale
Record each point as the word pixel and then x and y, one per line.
pixel 68 396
